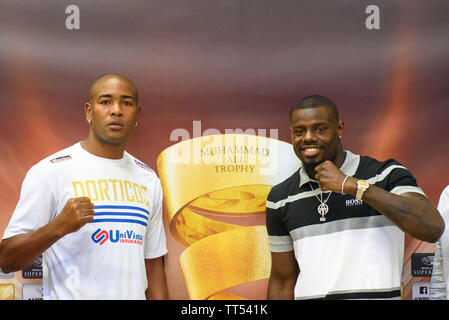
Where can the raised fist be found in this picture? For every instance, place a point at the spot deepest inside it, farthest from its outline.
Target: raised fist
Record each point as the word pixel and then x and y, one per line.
pixel 75 214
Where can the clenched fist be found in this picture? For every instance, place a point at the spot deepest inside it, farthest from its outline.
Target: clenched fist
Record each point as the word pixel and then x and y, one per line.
pixel 75 214
pixel 330 177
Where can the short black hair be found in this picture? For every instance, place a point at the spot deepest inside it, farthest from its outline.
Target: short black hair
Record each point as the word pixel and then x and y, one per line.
pixel 108 76
pixel 313 101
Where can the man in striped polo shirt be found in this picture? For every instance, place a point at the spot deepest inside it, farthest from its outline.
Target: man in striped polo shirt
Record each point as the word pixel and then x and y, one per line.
pixel 336 226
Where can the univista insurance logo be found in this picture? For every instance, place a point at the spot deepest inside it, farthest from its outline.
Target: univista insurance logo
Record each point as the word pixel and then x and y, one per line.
pixel 100 236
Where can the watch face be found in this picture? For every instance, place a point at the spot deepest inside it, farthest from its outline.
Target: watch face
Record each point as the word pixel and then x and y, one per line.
pixel 363 184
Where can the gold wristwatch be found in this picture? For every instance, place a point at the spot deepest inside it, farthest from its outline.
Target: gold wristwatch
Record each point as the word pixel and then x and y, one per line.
pixel 362 185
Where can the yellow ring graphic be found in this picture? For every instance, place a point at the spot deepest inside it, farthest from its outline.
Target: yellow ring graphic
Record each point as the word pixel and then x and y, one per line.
pixel 215 188
pixel 7 291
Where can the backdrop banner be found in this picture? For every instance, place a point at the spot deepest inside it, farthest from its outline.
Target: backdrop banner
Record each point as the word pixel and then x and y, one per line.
pixel 216 82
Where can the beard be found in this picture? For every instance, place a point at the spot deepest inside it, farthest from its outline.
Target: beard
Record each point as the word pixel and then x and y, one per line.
pixel 310 168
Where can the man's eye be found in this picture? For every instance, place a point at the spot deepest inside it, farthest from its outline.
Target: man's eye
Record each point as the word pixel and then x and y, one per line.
pixel 127 103
pixel 104 102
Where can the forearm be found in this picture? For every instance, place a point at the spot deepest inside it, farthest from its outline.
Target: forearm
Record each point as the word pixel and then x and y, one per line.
pixel 22 250
pixel 412 214
pixel 279 289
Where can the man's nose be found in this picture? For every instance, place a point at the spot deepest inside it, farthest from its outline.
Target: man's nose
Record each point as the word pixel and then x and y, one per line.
pixel 116 109
pixel 309 135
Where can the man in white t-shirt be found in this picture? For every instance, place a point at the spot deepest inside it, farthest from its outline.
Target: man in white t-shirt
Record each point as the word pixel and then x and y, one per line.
pixel 93 211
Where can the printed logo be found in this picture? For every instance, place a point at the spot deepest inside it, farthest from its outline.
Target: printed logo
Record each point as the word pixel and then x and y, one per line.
pixel 100 236
pixel 420 290
pixel 422 264
pixel 34 271
pixel 143 165
pixel 59 159
pixel 353 202
pixel 115 236
pixel 427 260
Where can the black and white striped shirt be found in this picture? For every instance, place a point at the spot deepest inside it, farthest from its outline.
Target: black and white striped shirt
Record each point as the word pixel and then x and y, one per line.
pixel 357 253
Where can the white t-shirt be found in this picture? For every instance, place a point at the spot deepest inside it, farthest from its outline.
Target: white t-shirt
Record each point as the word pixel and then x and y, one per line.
pixel 440 274
pixel 105 258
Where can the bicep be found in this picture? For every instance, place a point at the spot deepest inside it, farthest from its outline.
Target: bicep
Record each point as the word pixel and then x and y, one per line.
pixel 415 195
pixel 431 211
pixel 155 265
pixel 284 272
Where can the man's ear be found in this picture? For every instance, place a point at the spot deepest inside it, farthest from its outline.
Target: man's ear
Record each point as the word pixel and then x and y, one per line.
pixel 138 112
pixel 88 110
pixel 340 128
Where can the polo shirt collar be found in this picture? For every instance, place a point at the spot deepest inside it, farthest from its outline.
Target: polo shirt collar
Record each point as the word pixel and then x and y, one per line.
pixel 349 167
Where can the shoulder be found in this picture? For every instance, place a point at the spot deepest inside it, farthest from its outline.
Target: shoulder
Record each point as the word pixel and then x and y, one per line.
pixel 141 167
pixel 445 192
pixel 443 203
pixel 48 165
pixel 370 167
pixel 283 189
pixel 390 175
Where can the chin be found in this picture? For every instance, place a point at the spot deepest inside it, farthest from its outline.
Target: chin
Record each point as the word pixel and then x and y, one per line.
pixel 315 162
pixel 114 140
pixel 310 161
pixel 312 164
pixel 117 138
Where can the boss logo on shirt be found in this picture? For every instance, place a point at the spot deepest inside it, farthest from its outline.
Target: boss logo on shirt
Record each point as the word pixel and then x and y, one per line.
pixel 353 202
pixel 115 236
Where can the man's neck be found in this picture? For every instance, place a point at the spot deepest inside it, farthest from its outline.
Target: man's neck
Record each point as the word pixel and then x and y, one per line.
pixel 103 150
pixel 340 158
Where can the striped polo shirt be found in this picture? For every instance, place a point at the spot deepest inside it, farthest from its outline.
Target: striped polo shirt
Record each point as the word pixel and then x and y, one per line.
pixel 356 253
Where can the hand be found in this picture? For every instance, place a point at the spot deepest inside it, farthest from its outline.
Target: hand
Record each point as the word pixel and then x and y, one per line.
pixel 329 176
pixel 75 214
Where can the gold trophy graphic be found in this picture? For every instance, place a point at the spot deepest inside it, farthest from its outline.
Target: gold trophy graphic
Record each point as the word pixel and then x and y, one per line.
pixel 7 291
pixel 215 189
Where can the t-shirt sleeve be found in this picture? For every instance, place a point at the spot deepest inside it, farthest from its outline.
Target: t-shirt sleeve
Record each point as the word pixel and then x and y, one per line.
pixel 36 206
pixel 438 282
pixel 278 236
pixel 155 241
pixel 437 287
pixel 397 179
